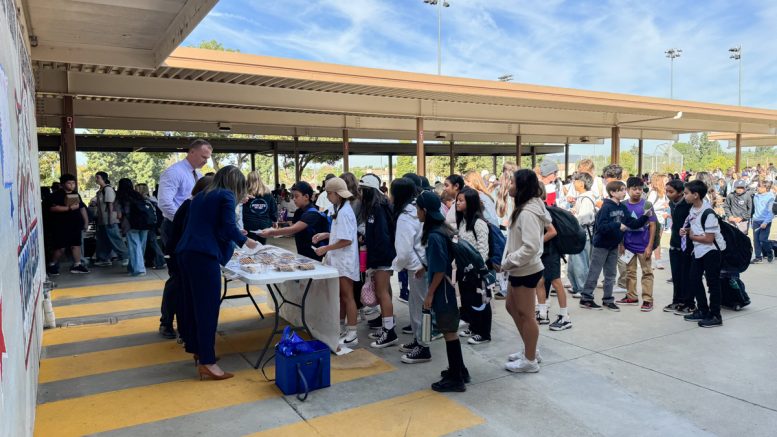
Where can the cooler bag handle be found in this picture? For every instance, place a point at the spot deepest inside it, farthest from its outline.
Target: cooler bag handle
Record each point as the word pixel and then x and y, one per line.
pixel 305 382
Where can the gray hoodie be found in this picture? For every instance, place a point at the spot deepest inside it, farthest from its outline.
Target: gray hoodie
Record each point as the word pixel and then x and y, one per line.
pixel 524 240
pixel 739 205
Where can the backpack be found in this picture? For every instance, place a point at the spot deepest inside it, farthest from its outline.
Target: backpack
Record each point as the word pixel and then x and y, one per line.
pixel 471 268
pixel 325 225
pixel 732 293
pixel 142 214
pixel 496 245
pixel 739 250
pixel 571 237
pixel 590 228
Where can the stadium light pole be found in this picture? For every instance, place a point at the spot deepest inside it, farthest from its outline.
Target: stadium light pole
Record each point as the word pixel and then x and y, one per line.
pixel 672 54
pixel 736 54
pixel 440 5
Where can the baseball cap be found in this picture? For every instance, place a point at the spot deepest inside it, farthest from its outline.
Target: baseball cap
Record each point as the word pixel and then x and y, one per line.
pixel 430 203
pixel 370 180
pixel 740 184
pixel 548 167
pixel 338 186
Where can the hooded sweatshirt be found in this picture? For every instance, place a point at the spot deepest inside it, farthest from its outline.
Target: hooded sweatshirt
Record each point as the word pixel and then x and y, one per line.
pixel 762 208
pixel 408 241
pixel 738 205
pixel 524 240
pixel 608 224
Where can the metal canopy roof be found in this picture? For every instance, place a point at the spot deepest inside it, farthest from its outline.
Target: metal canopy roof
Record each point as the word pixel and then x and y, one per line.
pixel 196 90
pixel 748 140
pixel 139 34
pixel 101 143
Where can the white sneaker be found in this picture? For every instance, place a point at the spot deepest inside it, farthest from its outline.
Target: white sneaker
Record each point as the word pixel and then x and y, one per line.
pixel 523 366
pixel 369 310
pixel 465 333
pixel 350 339
pixel 519 356
pixel 463 324
pixel 617 289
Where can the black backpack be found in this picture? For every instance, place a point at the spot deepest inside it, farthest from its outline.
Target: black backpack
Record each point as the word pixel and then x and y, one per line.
pixel 142 214
pixel 739 250
pixel 571 236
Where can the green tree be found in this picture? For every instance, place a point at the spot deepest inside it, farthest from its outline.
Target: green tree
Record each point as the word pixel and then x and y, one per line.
pixel 405 164
pixel 214 45
pixel 48 164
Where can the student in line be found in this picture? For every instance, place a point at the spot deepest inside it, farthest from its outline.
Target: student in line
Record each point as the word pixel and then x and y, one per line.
pixel 69 219
pixel 261 210
pixel 679 258
pixel 551 278
pixel 307 221
pixel 638 242
pixel 453 185
pixel 379 239
pixel 410 258
pixel 342 253
pixel 523 266
pixel 584 210
pixel 475 181
pixel 611 222
pixel 738 206
pixel 441 294
pixel 762 222
pixel 474 230
pixel 706 238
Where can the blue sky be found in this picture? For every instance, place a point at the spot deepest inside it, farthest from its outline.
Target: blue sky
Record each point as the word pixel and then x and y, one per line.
pixel 597 45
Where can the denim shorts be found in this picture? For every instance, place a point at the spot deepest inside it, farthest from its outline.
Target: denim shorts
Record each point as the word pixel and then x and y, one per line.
pixel 445 308
pixel 528 281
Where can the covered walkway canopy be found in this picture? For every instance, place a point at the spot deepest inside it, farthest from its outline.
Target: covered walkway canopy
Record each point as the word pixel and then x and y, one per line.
pixel 198 90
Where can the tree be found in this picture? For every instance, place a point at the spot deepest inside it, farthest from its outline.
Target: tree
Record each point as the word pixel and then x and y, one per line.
pixel 214 45
pixel 405 164
pixel 48 164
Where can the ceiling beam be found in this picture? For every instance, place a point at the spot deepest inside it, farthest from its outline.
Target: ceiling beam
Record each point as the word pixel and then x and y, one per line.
pixel 95 55
pixel 187 19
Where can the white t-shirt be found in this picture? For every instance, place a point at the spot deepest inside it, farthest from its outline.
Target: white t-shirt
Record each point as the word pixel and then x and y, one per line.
pixel 694 219
pixel 345 260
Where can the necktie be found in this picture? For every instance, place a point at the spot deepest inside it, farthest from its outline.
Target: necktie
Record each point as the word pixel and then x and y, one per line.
pixel 194 173
pixel 684 239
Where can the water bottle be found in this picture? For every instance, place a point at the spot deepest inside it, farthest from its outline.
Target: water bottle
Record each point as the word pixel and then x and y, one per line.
pixel 426 326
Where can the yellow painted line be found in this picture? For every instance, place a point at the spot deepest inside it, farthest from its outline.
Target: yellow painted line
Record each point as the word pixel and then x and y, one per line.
pixel 113 306
pixel 123 408
pixel 422 414
pixel 106 289
pixel 94 363
pixel 74 334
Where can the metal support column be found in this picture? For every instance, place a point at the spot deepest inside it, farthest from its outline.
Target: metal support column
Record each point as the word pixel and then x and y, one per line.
pixel 738 156
pixel 276 170
pixel 67 150
pixel 346 151
pixel 493 172
pixel 615 146
pixel 297 172
pixel 533 157
pixel 452 155
pixel 566 159
pixel 253 161
pixel 518 150
pixel 640 157
pixel 391 167
pixel 419 147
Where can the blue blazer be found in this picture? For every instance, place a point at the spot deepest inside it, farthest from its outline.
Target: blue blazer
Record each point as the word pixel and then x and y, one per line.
pixel 211 226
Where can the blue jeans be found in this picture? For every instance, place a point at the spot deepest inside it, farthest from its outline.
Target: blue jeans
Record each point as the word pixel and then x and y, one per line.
pixel 761 240
pixel 136 240
pixel 109 239
pixel 577 270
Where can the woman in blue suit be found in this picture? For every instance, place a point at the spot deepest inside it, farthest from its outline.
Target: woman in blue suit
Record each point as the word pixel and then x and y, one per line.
pixel 207 244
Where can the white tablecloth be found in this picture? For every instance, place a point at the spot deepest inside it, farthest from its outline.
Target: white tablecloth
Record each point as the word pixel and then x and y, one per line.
pixel 322 307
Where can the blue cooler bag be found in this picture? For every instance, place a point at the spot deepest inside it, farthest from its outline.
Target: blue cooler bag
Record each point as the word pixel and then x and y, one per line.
pixel 301 366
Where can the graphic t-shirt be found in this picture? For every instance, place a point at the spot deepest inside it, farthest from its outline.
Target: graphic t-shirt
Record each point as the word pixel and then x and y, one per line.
pixel 636 240
pixel 304 239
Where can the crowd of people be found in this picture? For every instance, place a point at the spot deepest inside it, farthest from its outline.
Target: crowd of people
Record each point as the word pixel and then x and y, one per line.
pixel 518 227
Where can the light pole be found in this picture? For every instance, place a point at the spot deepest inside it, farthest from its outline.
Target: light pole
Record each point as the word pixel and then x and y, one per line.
pixel 672 54
pixel 440 5
pixel 736 54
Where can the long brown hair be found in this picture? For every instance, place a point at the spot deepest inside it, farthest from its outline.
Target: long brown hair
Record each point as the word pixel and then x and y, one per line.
pixel 527 187
pixel 502 195
pixel 229 178
pixel 256 187
pixel 474 180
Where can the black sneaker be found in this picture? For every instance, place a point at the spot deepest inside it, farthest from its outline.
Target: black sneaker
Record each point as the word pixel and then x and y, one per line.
pixel 611 306
pixel 542 320
pixel 418 355
pixel 167 332
pixel 52 270
pixel 446 385
pixel 589 305
pixel 79 269
pixel 376 323
pixel 387 338
pixel 408 347
pixel 684 310
pixel 560 324
pixel 407 329
pixel 478 339
pixel 696 316
pixel 464 375
pixel 757 261
pixel 711 322
pixel 770 259
pixel 672 307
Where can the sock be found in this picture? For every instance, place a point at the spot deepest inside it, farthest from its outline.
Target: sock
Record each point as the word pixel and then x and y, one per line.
pixel 455 359
pixel 543 309
pixel 563 312
pixel 388 322
pixel 342 322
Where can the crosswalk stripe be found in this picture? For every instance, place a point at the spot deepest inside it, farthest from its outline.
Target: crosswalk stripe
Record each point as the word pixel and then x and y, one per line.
pixel 136 406
pixel 423 413
pixel 106 289
pixel 113 306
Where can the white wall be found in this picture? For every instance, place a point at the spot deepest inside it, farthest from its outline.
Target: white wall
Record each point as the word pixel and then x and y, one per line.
pixel 21 238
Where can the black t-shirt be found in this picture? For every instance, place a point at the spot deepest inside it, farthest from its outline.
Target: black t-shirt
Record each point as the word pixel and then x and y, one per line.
pixel 680 212
pixel 70 220
pixel 260 213
pixel 304 239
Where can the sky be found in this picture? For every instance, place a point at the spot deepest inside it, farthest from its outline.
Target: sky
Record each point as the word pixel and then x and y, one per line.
pixel 603 45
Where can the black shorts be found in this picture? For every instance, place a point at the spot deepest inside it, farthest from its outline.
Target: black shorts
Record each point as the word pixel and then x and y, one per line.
pixel 528 281
pixel 445 308
pixel 552 264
